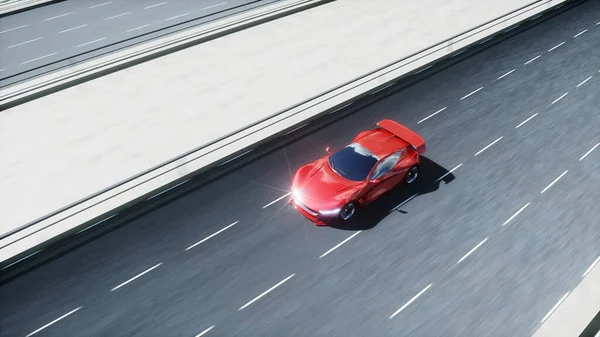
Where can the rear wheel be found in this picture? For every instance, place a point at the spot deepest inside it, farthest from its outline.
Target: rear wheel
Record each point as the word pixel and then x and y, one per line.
pixel 348 211
pixel 412 174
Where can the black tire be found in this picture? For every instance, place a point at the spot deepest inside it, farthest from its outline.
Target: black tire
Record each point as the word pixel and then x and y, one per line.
pixel 348 211
pixel 411 175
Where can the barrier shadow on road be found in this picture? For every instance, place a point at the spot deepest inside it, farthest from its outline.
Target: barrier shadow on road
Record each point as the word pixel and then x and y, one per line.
pixel 370 215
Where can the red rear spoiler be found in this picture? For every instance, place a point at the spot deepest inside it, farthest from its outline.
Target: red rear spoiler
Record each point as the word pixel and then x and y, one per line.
pixel 404 133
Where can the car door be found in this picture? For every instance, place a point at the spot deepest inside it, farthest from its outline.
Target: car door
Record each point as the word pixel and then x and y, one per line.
pixel 388 172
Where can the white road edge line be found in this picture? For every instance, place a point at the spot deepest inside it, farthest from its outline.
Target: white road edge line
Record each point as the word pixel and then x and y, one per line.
pixel 444 176
pixel 433 114
pixel 210 236
pixel 554 182
pixel 276 200
pixel 54 321
pixel 205 331
pixel 472 250
pixel 58 16
pixel 22 43
pixel 339 244
pixel 525 121
pixel 176 16
pixel 217 5
pixel 487 147
pixel 266 292
pixel 236 157
pixel 558 45
pixel 508 73
pixel 411 300
pixel 118 15
pixel 140 27
pixel 555 307
pixel 587 271
pixel 70 29
pixel 11 29
pixel 135 277
pixel 156 5
pixel 471 93
pixel 85 44
pixel 576 35
pixel 21 259
pixel 587 79
pixel 533 59
pixel 102 4
pixel 558 99
pixel 515 215
pixel 590 151
pixel 97 223
pixel 168 189
pixel 39 58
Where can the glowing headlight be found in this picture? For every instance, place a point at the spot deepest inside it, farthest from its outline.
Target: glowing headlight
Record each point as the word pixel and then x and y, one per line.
pixel 330 212
pixel 296 195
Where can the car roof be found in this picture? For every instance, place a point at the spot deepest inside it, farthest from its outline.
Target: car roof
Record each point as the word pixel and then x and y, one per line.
pixel 380 142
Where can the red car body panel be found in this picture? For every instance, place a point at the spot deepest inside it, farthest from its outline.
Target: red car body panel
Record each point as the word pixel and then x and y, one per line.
pixel 318 190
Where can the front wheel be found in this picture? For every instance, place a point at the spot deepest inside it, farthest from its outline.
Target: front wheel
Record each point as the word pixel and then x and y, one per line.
pixel 348 211
pixel 412 174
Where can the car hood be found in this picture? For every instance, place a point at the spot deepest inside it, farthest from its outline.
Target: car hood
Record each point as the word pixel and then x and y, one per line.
pixel 317 186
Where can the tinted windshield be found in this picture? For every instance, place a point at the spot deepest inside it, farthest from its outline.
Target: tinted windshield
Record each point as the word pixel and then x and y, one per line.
pixel 353 162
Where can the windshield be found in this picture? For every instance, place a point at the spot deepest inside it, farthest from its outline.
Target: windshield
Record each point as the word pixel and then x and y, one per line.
pixel 353 162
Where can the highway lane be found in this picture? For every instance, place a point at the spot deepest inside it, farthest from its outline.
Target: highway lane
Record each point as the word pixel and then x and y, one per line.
pixel 64 30
pixel 511 280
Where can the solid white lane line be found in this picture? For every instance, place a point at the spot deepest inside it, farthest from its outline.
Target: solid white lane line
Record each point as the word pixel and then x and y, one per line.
pixel 487 147
pixel 590 151
pixel 558 99
pixel 168 189
pixel 558 45
pixel 433 114
pixel 471 93
pixel 11 29
pixel 70 29
pixel 472 250
pixel 140 27
pixel 587 271
pixel 266 292
pixel 58 16
pixel 508 73
pixel 38 58
pixel 339 244
pixel 177 16
pixel 296 129
pixel 276 200
pixel 54 321
pixel 554 307
pixel 85 44
pixel 22 43
pixel 205 331
pixel 217 5
pixel 554 182
pixel 411 300
pixel 533 59
pixel 117 16
pixel 97 223
pixel 21 259
pixel 210 236
pixel 587 79
pixel 576 35
pixel 236 157
pixel 135 277
pixel 152 6
pixel 515 215
pixel 447 173
pixel 525 121
pixel 102 4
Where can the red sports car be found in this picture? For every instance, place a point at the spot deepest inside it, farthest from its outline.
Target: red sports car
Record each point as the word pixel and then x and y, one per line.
pixel 376 160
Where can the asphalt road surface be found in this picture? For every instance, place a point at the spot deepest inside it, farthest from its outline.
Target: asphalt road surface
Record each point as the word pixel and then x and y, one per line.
pixel 58 35
pixel 487 250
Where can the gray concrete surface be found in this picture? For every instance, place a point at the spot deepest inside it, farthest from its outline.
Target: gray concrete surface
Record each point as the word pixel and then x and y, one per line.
pixel 111 128
pixel 58 35
pixel 504 288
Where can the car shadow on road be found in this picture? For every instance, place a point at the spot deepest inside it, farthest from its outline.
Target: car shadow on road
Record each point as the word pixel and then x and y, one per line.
pixel 428 181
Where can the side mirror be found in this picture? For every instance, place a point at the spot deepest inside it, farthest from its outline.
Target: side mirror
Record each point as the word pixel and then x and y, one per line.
pixel 328 149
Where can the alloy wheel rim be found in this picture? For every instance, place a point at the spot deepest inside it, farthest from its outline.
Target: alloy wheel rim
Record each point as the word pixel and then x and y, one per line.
pixel 348 211
pixel 412 174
